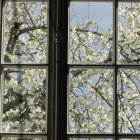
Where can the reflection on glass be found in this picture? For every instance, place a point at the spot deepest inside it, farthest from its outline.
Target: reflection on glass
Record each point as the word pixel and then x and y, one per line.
pixel 24 100
pixel 90 32
pixel 25 32
pixel 90 101
pixel 129 100
pixel 129 33
pixel 22 138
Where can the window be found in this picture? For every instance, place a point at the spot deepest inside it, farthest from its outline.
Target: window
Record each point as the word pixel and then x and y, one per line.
pixel 70 70
pixel 24 70
pixel 103 63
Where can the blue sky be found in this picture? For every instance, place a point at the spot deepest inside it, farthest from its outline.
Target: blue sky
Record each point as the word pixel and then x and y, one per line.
pixel 100 12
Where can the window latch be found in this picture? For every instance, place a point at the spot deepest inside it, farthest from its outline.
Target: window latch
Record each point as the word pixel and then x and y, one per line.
pixel 58 37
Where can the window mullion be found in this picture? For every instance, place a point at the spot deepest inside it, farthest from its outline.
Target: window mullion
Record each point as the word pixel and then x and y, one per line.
pixel 51 74
pixel 1 7
pixel 116 67
pixel 61 35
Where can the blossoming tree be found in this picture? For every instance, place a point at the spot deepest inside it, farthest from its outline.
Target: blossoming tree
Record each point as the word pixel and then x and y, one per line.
pixel 90 91
pixel 24 89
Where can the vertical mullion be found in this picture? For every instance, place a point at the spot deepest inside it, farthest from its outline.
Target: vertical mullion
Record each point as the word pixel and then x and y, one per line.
pixel 67 63
pixel 114 61
pixel 116 30
pixel 64 68
pixel 57 34
pixel 61 61
pixel 116 67
pixel 116 102
pixel 1 7
pixel 1 97
pixel 51 73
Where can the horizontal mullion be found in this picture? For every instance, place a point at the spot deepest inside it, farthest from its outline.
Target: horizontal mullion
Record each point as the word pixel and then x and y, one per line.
pixel 24 66
pixel 128 0
pixel 25 134
pixel 104 1
pixel 90 135
pixel 103 135
pixel 91 66
pixel 92 0
pixel 134 66
pixel 25 0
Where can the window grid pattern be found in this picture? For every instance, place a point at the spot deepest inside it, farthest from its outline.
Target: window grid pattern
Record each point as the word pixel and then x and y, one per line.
pixel 19 66
pixel 65 68
pixel 115 66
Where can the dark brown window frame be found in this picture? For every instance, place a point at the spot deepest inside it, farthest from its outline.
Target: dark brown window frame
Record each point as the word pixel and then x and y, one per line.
pixel 58 70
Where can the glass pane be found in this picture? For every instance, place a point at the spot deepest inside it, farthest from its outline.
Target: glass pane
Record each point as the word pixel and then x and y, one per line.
pixel 25 32
pixel 129 100
pixel 90 32
pixel 22 138
pixel 24 100
pixel 129 33
pixel 90 101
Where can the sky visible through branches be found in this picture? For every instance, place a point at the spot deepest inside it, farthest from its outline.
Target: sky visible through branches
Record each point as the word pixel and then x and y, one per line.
pixel 90 90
